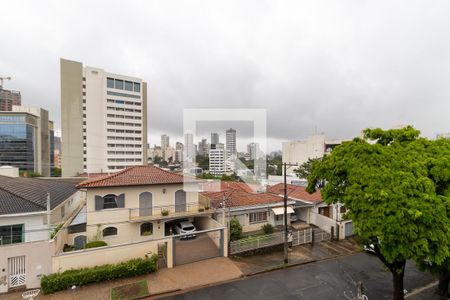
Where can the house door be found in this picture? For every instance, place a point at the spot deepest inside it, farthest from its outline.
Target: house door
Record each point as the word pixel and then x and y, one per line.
pixel 16 271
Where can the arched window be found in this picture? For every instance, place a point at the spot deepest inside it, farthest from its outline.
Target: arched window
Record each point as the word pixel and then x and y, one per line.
pixel 146 228
pixel 145 204
pixel 79 242
pixel 110 201
pixel 108 231
pixel 180 201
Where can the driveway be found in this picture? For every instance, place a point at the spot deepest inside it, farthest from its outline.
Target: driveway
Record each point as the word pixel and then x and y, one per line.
pixel 192 250
pixel 328 279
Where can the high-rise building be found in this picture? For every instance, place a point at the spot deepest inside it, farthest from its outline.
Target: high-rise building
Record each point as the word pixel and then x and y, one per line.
pixel 165 141
pixel 203 147
pixel 26 140
pixel 189 147
pixel 230 141
pixel 57 151
pixel 214 138
pixel 217 161
pixel 253 150
pixel 8 99
pixel 103 120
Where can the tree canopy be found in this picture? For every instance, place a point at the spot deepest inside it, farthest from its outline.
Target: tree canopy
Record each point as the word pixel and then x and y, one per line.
pixel 392 183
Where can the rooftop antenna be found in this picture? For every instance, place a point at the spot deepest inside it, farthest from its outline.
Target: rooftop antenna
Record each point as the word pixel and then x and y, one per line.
pixel 1 81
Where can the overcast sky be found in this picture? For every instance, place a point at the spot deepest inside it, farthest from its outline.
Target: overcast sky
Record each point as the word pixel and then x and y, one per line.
pixel 338 65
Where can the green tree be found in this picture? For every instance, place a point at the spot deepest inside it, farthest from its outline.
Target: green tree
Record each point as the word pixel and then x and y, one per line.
pixel 235 229
pixel 57 172
pixel 394 204
pixel 203 162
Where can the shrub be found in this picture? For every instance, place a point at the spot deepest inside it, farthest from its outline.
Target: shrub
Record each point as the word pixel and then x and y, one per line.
pixel 95 244
pixel 267 228
pixel 55 231
pixel 62 281
pixel 235 229
pixel 68 248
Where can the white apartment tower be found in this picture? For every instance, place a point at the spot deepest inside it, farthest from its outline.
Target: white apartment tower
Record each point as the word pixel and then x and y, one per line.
pixel 103 120
pixel 217 160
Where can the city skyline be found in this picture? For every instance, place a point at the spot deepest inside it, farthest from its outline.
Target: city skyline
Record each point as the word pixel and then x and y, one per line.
pixel 341 82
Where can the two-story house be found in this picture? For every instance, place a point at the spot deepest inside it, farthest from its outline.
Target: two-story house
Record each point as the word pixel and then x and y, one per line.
pixel 30 212
pixel 135 211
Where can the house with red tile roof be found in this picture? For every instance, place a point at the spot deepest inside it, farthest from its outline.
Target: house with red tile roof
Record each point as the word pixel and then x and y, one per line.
pixel 311 209
pixel 140 209
pixel 252 209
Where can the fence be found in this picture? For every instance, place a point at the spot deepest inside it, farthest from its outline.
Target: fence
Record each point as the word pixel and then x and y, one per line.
pixel 299 237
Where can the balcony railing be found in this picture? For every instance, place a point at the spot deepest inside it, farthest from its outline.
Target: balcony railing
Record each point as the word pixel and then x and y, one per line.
pixel 167 211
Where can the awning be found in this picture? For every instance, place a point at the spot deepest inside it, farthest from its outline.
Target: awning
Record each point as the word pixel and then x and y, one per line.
pixel 280 210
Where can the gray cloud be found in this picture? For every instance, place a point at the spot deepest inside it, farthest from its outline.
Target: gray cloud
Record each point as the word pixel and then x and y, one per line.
pixel 341 66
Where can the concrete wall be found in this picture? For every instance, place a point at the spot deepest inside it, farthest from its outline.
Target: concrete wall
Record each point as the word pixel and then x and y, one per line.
pixel 71 117
pixel 109 255
pixel 38 262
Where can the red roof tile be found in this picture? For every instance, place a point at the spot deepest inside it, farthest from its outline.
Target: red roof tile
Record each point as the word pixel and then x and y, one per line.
pixel 296 192
pixel 231 198
pixel 138 175
pixel 215 186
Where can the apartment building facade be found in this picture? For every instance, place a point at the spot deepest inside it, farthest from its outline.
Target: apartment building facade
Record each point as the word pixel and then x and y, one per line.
pixel 103 120
pixel 8 99
pixel 27 140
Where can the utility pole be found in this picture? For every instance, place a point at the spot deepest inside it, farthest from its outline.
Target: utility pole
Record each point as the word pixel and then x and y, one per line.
pixel 286 233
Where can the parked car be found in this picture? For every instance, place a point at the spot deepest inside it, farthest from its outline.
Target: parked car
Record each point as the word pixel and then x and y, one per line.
pixel 187 229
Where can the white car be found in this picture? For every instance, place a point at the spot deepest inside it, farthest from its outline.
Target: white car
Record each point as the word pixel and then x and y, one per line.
pixel 187 229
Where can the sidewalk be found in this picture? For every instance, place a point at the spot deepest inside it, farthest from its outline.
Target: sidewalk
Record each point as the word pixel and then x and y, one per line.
pixel 165 280
pixel 250 265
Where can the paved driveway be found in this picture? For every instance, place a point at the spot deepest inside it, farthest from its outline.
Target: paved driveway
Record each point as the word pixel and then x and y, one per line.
pixel 193 250
pixel 329 279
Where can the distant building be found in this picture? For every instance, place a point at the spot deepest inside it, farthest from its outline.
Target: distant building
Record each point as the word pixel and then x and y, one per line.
pixel 179 146
pixel 189 148
pixel 57 151
pixel 8 99
pixel 299 152
pixel 165 143
pixel 214 138
pixel 217 161
pixel 253 150
pixel 26 140
pixel 203 147
pixel 231 141
pixel 154 152
pixel 103 120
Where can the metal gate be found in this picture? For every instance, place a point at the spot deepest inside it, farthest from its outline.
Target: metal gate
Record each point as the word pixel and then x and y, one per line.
pixel 348 229
pixel 16 271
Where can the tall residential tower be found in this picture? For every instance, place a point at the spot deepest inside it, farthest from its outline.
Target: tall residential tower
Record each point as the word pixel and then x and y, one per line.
pixel 103 120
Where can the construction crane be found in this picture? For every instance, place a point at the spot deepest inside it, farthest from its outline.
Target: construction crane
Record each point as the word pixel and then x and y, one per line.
pixel 1 81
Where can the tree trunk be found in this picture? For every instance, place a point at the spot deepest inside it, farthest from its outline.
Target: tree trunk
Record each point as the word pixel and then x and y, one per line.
pixel 398 284
pixel 444 280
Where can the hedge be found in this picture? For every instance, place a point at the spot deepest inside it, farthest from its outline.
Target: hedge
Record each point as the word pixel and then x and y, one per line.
pixel 95 244
pixel 65 280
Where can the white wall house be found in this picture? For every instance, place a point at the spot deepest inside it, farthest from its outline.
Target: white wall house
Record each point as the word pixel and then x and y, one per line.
pixel 30 209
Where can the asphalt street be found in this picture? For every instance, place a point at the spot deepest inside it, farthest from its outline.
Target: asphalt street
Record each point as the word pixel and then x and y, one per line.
pixel 330 279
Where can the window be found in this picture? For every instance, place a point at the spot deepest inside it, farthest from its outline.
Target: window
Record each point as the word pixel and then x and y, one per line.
pixel 109 231
pixel 118 84
pixel 278 217
pixel 128 86
pixel 147 229
pixel 109 201
pixel 342 210
pixel 11 234
pixel 137 87
pixel 110 82
pixel 258 217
